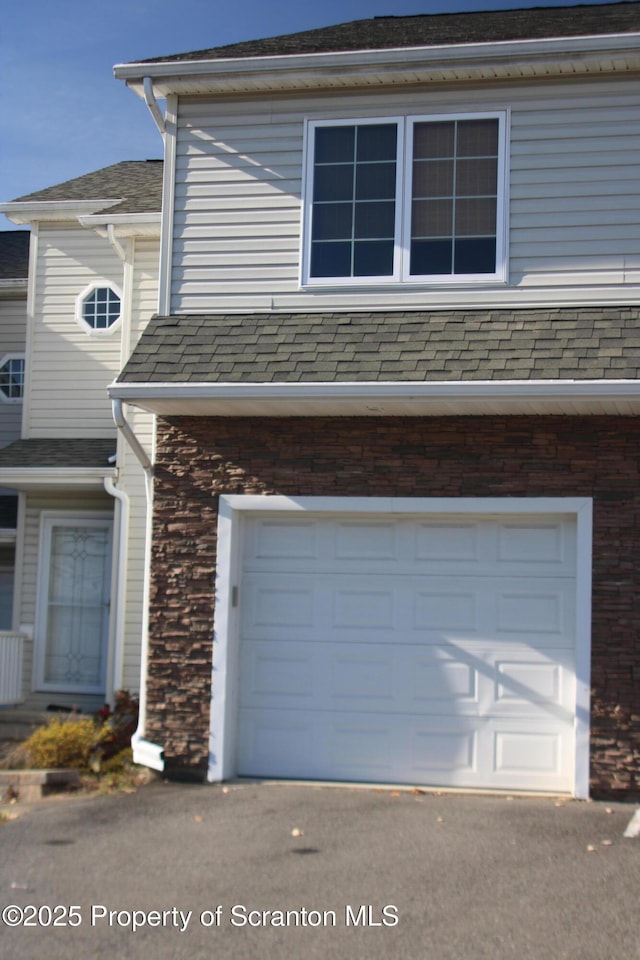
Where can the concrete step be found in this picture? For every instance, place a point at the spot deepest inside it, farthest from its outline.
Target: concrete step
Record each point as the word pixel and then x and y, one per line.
pixel 29 786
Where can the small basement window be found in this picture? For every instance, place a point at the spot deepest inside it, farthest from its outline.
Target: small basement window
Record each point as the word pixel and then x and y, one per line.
pixel 99 307
pixel 12 378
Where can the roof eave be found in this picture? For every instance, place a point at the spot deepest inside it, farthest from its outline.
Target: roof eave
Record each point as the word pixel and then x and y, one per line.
pixel 40 478
pixel 13 286
pixel 385 398
pixel 125 224
pixel 28 211
pixel 600 53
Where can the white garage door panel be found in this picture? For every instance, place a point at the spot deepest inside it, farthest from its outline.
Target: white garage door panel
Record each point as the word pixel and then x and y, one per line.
pixel 460 546
pixel 408 609
pixel 435 750
pixel 428 650
pixel 408 679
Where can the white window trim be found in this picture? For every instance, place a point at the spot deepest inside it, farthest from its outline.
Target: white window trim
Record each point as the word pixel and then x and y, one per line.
pixel 48 520
pixel 5 359
pixel 226 629
pixel 80 299
pixel 401 276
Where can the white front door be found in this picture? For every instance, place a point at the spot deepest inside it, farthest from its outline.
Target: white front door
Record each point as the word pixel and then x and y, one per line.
pixel 73 603
pixel 435 650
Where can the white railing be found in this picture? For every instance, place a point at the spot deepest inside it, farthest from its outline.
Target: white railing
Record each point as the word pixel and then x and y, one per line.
pixel 11 653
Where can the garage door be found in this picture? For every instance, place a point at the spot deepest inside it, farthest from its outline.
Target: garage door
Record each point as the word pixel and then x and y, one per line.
pixel 433 650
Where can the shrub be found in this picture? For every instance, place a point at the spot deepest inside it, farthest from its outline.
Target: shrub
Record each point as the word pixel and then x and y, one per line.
pixel 63 743
pixel 119 725
pixel 101 744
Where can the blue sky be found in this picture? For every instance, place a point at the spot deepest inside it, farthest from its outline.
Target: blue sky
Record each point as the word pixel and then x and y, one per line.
pixel 63 114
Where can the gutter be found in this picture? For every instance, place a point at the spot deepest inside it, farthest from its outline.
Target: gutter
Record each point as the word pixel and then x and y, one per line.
pixel 333 68
pixel 25 211
pixel 144 752
pixel 35 478
pixel 378 388
pixel 475 50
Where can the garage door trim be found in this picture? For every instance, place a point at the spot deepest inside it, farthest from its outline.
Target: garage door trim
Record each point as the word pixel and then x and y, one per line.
pixel 232 510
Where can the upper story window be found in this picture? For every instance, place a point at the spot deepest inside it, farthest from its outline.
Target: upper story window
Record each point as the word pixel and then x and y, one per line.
pixel 99 307
pixel 417 199
pixel 12 378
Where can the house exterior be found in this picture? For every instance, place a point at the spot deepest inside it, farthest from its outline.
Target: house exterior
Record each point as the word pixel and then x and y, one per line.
pixel 396 508
pixel 14 267
pixel 74 636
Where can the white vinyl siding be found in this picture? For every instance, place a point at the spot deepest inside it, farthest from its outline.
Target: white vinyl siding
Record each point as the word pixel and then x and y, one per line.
pixel 70 369
pixel 13 323
pixel 574 197
pixel 82 408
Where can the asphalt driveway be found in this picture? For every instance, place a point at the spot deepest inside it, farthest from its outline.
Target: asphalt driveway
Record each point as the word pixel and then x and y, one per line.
pixel 302 872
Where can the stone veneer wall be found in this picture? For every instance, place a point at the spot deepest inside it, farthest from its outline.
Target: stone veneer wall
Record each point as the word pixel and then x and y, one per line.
pixel 199 458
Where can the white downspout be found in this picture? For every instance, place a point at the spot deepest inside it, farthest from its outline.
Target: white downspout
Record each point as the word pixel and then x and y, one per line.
pixel 115 243
pixel 144 752
pixel 152 104
pixel 116 673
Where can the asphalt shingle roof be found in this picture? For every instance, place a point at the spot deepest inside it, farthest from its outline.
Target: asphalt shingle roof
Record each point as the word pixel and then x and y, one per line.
pixel 563 343
pixel 136 183
pixel 58 453
pixel 14 254
pixel 435 29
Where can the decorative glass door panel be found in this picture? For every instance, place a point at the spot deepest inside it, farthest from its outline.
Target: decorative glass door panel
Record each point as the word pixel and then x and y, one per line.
pixel 75 618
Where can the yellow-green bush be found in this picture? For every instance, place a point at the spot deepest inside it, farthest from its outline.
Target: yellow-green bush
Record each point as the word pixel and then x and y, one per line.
pixel 63 743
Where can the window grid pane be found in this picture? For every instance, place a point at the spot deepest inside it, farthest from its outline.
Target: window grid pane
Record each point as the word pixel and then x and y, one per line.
pixel 101 308
pixel 454 193
pixel 354 191
pixel 12 378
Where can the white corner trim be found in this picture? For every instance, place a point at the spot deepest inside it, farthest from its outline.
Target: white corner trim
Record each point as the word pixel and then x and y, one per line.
pixel 168 197
pixel 29 333
pixel 584 574
pixel 225 670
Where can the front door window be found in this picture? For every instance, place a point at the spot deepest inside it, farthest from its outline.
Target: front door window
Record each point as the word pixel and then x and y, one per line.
pixel 74 604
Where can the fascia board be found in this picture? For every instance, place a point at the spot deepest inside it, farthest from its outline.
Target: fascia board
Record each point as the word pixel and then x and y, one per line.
pixel 35 478
pixel 383 399
pixel 30 210
pixel 16 285
pixel 125 224
pixel 447 54
pixel 120 219
pixel 522 389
